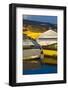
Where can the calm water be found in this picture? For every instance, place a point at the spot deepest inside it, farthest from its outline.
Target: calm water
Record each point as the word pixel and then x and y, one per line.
pixel 45 69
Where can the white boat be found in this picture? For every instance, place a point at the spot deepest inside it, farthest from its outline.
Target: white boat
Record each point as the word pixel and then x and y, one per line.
pixel 47 38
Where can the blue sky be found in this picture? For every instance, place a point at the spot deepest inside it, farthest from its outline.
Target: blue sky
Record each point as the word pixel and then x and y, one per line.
pixel 49 19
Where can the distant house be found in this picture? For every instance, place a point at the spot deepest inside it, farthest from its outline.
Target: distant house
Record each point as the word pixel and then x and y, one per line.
pixel 47 38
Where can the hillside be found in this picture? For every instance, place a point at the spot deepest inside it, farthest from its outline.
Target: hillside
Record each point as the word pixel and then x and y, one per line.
pixel 42 24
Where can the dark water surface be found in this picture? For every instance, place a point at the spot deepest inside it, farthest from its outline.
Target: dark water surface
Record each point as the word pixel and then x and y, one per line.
pixel 45 69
